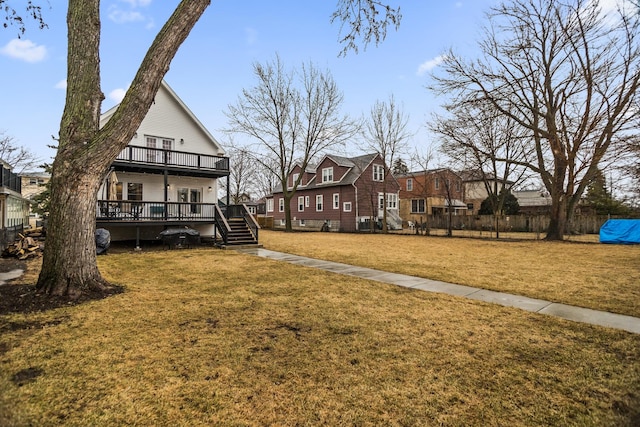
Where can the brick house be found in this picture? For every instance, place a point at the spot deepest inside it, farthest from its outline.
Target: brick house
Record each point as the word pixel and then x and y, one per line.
pixel 430 192
pixel 346 194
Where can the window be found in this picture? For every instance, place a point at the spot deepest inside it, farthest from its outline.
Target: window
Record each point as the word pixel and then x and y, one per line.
pixel 151 152
pixel 281 205
pixel 294 179
pixel 336 201
pixel 269 205
pixel 346 206
pixel 154 154
pixel 418 206
pixel 410 184
pixel 378 173
pixel 193 196
pixel 437 182
pixel 392 201
pixel 327 175
pixel 167 144
pixel 300 203
pixel 306 201
pixel 319 203
pixel 282 221
pixel 470 207
pixel 134 191
pixel 302 223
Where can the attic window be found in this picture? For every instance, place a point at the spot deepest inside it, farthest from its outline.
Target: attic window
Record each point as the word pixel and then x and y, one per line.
pixel 378 173
pixel 327 175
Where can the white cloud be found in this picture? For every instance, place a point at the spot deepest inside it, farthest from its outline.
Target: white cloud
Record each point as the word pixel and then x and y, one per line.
pixel 117 95
pixel 25 50
pixel 430 64
pixel 120 16
pixel 62 84
pixel 127 14
pixel 610 9
pixel 137 3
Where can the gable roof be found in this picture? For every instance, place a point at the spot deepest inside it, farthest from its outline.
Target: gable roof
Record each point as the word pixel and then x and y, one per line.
pixel 104 117
pixel 356 166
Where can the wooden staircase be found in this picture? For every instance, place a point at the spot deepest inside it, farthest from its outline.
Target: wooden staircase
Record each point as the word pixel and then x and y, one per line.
pixel 240 234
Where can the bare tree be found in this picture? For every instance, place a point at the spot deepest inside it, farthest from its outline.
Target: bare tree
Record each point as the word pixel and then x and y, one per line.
pixel 241 182
pixel 361 20
pixel 19 158
pixel 386 133
pixel 15 17
pixel 422 184
pixel 292 116
pixel 566 73
pixel 86 151
pixel 488 146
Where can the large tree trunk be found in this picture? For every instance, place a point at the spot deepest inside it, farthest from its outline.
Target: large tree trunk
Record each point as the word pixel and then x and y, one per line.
pixel 85 152
pixel 558 220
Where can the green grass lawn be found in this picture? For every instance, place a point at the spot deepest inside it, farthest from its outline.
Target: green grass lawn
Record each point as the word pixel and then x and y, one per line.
pixel 210 337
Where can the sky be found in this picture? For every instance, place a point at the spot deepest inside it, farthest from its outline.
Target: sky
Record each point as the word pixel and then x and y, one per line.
pixel 214 64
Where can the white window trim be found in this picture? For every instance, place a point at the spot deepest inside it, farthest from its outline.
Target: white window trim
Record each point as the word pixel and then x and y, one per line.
pixel 300 203
pixel 378 173
pixel 281 204
pixel 319 203
pixel 409 184
pixel 326 174
pixel 392 201
pixel 346 206
pixel 306 201
pixel 269 205
pixel 336 200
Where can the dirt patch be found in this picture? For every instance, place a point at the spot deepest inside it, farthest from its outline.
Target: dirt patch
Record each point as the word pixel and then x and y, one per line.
pixel 10 264
pixel 26 375
pixel 25 299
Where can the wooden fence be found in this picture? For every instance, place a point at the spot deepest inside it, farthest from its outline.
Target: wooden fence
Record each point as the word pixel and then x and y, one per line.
pixel 509 223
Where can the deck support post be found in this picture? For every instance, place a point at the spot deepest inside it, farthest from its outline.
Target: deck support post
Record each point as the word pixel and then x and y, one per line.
pixel 138 238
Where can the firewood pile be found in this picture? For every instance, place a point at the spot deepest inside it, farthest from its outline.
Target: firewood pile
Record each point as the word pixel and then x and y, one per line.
pixel 26 246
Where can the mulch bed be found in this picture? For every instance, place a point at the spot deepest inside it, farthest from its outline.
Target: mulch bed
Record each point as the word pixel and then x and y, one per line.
pixel 23 298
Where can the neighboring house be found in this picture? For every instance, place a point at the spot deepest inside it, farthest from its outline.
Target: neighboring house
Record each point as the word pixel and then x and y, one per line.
pixel 533 202
pixel 168 177
pixel 475 190
pixel 33 183
pixel 345 194
pixel 430 192
pixel 14 208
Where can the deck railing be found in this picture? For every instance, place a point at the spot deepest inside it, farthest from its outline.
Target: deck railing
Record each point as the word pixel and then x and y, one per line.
pixel 128 210
pixel 158 156
pixel 10 180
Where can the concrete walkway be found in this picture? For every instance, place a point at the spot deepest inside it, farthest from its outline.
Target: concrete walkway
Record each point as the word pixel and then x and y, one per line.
pixel 569 312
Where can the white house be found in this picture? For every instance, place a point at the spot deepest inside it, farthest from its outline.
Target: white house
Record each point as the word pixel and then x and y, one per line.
pixel 14 208
pixel 166 177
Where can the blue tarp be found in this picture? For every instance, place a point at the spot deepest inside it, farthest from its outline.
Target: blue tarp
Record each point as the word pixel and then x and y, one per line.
pixel 621 231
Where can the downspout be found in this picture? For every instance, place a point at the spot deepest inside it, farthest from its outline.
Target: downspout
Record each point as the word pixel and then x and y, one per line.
pixel 356 203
